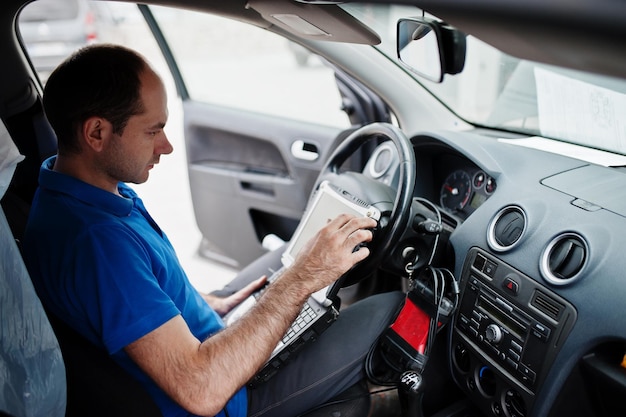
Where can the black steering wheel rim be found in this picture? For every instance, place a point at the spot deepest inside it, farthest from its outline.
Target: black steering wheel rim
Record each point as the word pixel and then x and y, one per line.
pixel 398 219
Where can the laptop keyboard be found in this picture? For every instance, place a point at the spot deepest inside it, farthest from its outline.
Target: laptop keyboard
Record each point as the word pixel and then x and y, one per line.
pixel 307 314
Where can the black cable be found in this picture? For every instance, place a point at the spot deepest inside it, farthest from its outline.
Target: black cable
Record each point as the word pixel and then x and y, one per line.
pixel 438 277
pixel 438 281
pixel 439 220
pixel 369 366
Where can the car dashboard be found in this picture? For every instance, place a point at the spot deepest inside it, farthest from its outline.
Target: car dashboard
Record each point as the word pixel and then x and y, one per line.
pixel 535 242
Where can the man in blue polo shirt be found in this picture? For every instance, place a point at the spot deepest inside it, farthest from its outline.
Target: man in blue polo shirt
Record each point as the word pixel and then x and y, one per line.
pixel 102 265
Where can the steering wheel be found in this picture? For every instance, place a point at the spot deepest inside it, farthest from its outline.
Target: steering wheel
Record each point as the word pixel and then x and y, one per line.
pixel 394 204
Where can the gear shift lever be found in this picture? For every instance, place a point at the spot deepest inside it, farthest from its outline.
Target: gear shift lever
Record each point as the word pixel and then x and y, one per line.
pixel 410 393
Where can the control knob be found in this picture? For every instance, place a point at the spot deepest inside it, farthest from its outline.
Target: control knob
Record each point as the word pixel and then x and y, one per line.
pixel 493 334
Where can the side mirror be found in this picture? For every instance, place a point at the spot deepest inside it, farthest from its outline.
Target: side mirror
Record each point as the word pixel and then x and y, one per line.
pixel 430 48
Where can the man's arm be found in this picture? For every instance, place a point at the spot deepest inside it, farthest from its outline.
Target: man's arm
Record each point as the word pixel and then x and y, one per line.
pixel 202 376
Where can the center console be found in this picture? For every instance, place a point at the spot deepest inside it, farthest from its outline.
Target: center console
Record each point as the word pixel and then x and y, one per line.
pixel 507 333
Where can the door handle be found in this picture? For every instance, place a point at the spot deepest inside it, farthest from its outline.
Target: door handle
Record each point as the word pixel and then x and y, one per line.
pixel 304 150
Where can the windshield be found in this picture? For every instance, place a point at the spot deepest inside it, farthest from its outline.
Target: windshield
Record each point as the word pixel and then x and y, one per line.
pixel 500 91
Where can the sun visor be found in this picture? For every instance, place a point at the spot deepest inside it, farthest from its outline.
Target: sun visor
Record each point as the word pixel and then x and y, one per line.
pixel 324 22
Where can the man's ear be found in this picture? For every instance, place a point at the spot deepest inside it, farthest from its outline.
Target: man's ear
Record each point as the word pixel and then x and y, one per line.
pixel 96 132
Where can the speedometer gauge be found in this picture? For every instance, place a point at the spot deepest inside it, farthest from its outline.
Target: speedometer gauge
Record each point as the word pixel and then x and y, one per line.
pixel 456 190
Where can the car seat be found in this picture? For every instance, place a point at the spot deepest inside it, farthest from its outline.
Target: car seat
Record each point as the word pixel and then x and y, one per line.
pixel 42 359
pixel 32 376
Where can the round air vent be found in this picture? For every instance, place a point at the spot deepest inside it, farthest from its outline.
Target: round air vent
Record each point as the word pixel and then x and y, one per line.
pixel 506 228
pixel 564 258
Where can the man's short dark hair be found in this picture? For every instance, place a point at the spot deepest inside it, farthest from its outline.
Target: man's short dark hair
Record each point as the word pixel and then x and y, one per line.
pixel 100 80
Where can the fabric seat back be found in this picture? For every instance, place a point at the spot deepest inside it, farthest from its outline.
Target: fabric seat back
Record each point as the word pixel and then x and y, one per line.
pixel 32 374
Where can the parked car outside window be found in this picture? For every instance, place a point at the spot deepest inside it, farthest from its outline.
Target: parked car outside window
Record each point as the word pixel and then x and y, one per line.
pixel 53 29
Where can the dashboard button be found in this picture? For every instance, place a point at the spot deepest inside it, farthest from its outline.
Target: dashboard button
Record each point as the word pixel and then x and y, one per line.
pixel 541 331
pixel 479 262
pixel 511 363
pixel 513 355
pixel 527 373
pixel 490 269
pixel 511 285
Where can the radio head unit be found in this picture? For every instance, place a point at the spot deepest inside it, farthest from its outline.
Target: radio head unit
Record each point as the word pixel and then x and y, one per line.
pixel 512 323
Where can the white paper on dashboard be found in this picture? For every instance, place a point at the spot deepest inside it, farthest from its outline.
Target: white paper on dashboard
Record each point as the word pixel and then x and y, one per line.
pixel 582 112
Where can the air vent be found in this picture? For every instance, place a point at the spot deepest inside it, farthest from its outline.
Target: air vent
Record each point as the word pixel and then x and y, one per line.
pixel 506 228
pixel 564 258
pixel 547 305
pixel 384 158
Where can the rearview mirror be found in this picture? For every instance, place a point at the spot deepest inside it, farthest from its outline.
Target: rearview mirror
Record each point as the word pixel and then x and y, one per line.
pixel 430 48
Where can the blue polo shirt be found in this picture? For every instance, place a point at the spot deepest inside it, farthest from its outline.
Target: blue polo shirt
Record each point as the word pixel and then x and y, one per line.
pixel 102 264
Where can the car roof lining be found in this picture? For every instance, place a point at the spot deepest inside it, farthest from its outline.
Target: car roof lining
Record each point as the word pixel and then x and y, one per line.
pixel 339 25
pixel 588 37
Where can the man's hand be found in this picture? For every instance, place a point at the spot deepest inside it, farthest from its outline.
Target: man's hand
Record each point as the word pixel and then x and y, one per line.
pixel 331 252
pixel 223 306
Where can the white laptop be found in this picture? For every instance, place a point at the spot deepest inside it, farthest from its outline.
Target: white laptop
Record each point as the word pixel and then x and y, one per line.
pixel 319 312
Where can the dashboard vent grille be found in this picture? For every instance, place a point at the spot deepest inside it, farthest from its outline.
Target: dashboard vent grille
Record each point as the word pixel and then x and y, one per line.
pixel 506 228
pixel 547 305
pixel 564 258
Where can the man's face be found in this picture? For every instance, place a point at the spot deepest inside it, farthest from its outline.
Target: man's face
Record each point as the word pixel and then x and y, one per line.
pixel 131 155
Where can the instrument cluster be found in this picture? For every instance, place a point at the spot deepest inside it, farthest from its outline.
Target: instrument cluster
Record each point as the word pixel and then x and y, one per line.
pixel 444 176
pixel 465 189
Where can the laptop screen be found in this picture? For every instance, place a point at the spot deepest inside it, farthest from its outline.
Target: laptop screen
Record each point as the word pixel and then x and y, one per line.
pixel 328 203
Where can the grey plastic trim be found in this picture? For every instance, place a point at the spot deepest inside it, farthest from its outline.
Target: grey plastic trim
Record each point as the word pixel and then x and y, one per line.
pixel 386 147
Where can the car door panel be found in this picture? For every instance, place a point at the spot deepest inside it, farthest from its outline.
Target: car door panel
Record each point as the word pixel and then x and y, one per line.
pixel 245 166
pixel 258 126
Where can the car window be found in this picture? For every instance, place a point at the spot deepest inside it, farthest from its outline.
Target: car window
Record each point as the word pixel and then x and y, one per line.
pixel 52 29
pixel 218 61
pixel 50 10
pixel 238 65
